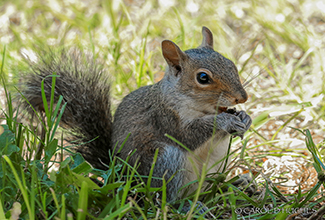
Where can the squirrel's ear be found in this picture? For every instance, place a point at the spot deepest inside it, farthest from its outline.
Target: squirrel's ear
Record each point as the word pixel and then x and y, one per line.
pixel 207 38
pixel 173 55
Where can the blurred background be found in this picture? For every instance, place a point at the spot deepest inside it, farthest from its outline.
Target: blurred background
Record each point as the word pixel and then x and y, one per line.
pixel 277 45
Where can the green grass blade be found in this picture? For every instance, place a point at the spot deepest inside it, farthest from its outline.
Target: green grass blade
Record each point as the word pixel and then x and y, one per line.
pixel 52 91
pixel 2 213
pixel 56 125
pixel 246 197
pixel 46 108
pixel 139 209
pixel 310 195
pixel 119 212
pixel 232 200
pixel 83 201
pixel 21 187
pixel 62 216
pixel 56 202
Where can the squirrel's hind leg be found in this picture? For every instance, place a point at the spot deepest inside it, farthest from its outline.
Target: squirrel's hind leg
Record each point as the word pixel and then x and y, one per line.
pixel 170 165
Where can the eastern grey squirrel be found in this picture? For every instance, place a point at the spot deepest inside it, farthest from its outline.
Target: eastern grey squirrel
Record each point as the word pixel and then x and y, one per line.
pixel 190 104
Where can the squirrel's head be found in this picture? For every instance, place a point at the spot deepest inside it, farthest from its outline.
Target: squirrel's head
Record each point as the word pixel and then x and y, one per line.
pixel 204 75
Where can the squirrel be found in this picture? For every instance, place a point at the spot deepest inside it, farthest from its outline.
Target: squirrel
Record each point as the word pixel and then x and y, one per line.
pixel 189 104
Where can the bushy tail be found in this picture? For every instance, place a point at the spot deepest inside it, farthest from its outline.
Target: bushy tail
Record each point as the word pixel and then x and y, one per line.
pixel 84 86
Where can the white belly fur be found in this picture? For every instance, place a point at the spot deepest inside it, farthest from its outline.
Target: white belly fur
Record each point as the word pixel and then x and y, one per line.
pixel 211 152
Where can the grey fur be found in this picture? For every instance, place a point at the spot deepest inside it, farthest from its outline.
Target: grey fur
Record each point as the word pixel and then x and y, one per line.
pixel 84 86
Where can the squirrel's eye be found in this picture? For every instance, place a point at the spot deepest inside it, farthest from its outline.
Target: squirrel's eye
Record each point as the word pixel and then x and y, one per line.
pixel 203 78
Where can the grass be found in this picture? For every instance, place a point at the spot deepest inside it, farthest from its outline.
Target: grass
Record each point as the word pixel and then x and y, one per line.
pixel 280 42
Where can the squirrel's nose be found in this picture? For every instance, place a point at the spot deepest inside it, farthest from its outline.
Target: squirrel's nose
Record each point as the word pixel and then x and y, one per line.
pixel 241 98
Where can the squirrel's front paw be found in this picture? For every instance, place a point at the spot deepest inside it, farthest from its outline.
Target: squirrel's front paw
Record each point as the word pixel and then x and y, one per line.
pixel 231 123
pixel 246 119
